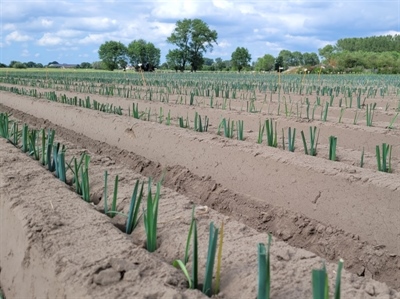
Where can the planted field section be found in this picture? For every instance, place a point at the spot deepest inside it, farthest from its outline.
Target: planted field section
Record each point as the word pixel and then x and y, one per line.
pixel 63 246
pixel 313 160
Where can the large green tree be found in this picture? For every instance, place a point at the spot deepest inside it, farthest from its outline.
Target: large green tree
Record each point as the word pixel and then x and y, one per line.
pixel 240 58
pixel 265 63
pixel 287 58
pixel 142 52
pixel 193 38
pixel 326 52
pixel 175 60
pixel 85 65
pixel 219 64
pixel 310 58
pixel 383 43
pixel 297 58
pixel 279 67
pixel 113 54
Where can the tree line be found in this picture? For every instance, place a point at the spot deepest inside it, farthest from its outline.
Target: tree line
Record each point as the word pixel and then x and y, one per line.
pixel 378 54
pixel 193 38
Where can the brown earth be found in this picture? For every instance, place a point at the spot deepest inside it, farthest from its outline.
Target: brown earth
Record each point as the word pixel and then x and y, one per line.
pixel 334 209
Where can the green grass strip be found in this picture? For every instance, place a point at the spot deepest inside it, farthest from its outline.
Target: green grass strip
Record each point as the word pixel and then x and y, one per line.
pixel 133 214
pixel 362 158
pixel 151 217
pixel 320 284
pixel 264 274
pixel 212 247
pixel 114 201
pixel 292 139
pixel 61 167
pixel 332 148
pixel 195 262
pixel 219 259
pixel 4 125
pixel 180 264
pixel 261 129
pixel 186 258
pixel 105 192
pixel 393 120
pixel 338 280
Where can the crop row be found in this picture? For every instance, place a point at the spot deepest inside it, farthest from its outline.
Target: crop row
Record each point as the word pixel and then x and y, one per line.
pixel 228 128
pixel 383 85
pixel 304 109
pixel 41 146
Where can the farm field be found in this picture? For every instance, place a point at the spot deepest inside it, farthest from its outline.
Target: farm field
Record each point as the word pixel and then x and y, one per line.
pixel 220 142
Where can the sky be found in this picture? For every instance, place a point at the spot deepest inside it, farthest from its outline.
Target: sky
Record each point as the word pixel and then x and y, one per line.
pixel 72 31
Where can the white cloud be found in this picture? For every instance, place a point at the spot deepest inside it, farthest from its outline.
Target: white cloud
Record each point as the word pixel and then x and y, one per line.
pixel 273 47
pixel 292 41
pixel 223 44
pixel 94 39
pixel 247 9
pixel 37 54
pixel 9 27
pixel 96 24
pixel 25 53
pixel 161 29
pixel 49 39
pixel 292 21
pixel 68 33
pixel 223 4
pixel 389 32
pixel 178 9
pixel 46 23
pixel 15 36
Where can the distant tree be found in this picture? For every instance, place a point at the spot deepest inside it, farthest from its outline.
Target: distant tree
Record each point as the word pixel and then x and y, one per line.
pixel 383 43
pixel 19 65
pixel 2 65
pixel 113 54
pixel 219 65
pixel 208 61
pixel 30 64
pixel 13 62
pixel 141 52
pixel 164 66
pixel 122 63
pixel 279 64
pixel 265 63
pixel 99 65
pixel 297 58
pixel 310 58
pixel 39 65
pixel 175 60
pixel 287 58
pixel 53 62
pixel 193 38
pixel 227 64
pixel 326 52
pixel 240 58
pixel 85 65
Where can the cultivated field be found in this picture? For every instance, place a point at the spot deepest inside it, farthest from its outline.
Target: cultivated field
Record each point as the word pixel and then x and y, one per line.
pixel 315 160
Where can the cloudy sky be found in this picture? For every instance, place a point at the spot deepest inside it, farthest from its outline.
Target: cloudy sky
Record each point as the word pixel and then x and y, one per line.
pixel 71 31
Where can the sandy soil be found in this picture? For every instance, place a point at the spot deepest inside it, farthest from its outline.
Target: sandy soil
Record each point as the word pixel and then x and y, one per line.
pixel 333 209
